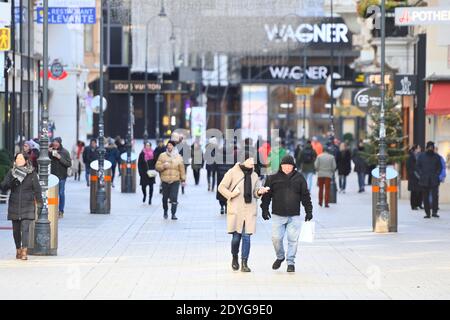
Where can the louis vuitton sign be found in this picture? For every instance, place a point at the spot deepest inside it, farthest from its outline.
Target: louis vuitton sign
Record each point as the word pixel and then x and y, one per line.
pixel 152 87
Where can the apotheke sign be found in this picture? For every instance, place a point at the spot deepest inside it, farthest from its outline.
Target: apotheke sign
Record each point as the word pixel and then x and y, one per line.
pixel 410 16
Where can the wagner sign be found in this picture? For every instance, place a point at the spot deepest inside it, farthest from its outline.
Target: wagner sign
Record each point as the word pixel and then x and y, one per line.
pixel 336 33
pixel 316 73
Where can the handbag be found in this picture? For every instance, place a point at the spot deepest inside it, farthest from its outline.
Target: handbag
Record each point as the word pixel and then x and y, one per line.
pixel 307 231
pixel 151 173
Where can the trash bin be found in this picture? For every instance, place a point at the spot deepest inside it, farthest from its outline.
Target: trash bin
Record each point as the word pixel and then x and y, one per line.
pixel 94 185
pixel 53 216
pixel 123 170
pixel 379 224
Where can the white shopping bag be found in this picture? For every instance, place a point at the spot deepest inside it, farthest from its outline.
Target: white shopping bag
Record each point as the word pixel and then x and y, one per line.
pixel 307 231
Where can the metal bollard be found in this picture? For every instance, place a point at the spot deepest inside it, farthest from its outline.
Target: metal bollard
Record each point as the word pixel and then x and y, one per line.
pixel 123 170
pixel 94 185
pixel 53 216
pixel 380 225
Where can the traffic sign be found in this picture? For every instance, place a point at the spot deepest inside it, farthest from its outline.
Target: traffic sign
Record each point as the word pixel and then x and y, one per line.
pixel 304 91
pixel 5 39
pixel 57 69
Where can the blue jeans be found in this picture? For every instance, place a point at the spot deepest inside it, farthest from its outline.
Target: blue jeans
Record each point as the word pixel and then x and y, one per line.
pixel 279 227
pixel 361 180
pixel 342 182
pixel 62 196
pixel 245 243
pixel 87 174
pixel 308 176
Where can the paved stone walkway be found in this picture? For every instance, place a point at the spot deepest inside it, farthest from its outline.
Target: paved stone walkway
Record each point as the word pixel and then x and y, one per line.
pixel 134 254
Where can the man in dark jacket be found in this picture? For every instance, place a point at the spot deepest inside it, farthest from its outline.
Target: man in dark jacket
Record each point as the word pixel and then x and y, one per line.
pixel 90 154
pixel 60 162
pixel 288 189
pixel 428 169
pixel 360 166
pixel 413 181
pixel 305 162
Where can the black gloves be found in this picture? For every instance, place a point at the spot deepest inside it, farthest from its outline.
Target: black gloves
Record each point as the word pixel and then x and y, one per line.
pixel 266 215
pixel 308 217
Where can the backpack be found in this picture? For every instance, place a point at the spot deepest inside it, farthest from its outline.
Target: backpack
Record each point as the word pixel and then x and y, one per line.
pixel 308 156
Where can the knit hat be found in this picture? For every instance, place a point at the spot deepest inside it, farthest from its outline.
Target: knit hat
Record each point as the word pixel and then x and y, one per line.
pixel 288 160
pixel 57 139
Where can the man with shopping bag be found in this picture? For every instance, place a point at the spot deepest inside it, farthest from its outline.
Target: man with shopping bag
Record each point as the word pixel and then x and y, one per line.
pixel 287 191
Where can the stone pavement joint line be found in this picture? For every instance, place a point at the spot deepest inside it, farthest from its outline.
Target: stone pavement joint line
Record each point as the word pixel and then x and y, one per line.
pixel 134 253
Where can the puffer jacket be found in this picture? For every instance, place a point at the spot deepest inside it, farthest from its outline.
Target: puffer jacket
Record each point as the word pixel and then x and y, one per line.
pixel 175 172
pixel 23 196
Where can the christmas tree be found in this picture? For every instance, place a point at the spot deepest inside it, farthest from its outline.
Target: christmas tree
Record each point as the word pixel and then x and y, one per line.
pixel 394 135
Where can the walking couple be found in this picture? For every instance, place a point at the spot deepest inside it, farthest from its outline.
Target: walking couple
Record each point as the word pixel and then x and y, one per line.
pixel 286 189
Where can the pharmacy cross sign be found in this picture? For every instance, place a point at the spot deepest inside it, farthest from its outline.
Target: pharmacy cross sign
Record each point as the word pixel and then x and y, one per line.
pixel 411 16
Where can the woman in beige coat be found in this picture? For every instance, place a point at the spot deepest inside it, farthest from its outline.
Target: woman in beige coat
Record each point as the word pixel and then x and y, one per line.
pixel 241 187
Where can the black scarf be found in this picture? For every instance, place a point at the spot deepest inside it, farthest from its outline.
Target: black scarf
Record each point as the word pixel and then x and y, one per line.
pixel 20 173
pixel 247 183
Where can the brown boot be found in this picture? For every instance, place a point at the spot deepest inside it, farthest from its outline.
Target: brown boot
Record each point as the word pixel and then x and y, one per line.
pixel 18 253
pixel 24 254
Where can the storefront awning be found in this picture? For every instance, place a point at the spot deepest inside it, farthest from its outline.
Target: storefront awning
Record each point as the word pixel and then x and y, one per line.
pixel 349 111
pixel 439 99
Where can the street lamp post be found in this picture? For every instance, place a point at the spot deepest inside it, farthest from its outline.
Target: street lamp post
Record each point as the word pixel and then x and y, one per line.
pixel 101 192
pixel 128 171
pixel 42 226
pixel 333 188
pixel 382 205
pixel 161 14
pixel 304 100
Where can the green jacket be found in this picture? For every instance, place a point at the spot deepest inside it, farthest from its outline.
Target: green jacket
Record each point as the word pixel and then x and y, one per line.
pixel 275 157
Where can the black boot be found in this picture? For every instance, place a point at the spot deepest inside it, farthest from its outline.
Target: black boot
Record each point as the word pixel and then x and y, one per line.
pixel 235 263
pixel 245 267
pixel 165 214
pixel 144 198
pixel 209 186
pixel 222 210
pixel 174 217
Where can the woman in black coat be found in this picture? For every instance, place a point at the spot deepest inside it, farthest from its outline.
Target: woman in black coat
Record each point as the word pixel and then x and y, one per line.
pixel 413 181
pixel 221 169
pixel 146 168
pixel 344 165
pixel 23 182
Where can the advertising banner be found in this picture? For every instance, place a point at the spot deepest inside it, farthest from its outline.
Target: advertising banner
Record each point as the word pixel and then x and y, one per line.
pixel 254 111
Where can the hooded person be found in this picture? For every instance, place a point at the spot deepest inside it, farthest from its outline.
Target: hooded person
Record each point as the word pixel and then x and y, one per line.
pixel 287 191
pixel 60 162
pixel 241 188
pixel 32 149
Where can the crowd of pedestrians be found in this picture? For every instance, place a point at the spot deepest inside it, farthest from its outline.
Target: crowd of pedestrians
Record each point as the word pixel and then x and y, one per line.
pixel 240 174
